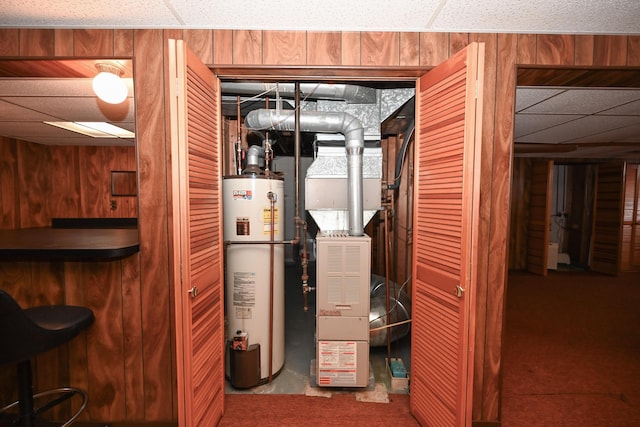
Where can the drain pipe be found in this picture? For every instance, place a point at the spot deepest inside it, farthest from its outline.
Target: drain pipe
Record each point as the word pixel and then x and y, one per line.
pixel 328 122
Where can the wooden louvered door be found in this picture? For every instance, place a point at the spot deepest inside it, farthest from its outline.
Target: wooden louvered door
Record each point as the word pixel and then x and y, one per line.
pixel 539 224
pixel 197 237
pixel 630 259
pixel 607 219
pixel 446 216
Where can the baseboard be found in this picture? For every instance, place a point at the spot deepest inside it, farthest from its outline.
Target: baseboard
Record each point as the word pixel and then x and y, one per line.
pixel 125 424
pixel 486 424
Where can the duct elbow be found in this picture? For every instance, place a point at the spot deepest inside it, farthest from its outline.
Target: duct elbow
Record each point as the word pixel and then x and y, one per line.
pixel 353 133
pixel 357 94
pixel 254 154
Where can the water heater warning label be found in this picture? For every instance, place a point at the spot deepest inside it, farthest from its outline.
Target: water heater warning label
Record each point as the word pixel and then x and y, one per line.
pixel 337 362
pixel 266 219
pixel 244 289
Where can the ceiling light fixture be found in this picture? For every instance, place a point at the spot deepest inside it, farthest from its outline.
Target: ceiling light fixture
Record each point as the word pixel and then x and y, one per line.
pixel 108 84
pixel 94 129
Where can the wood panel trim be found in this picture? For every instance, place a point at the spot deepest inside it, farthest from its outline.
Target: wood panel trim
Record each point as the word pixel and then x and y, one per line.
pixel 273 73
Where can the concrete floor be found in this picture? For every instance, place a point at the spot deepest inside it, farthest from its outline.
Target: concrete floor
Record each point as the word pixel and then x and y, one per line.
pixel 296 376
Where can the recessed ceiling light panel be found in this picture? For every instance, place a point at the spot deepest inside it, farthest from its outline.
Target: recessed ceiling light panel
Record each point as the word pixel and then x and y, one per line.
pixel 94 129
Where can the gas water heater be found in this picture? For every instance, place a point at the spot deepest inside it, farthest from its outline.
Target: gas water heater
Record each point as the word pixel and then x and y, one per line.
pixel 253 212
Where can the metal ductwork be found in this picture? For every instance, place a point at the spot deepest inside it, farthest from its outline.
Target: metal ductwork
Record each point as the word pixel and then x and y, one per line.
pixel 327 122
pixel 255 158
pixel 350 93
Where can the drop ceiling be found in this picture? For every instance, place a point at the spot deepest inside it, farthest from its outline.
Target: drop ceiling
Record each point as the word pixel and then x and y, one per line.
pixel 557 122
pixel 489 16
pixel 575 123
pixel 35 91
pixel 27 103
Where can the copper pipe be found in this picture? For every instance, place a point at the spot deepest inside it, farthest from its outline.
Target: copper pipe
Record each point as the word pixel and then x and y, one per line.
pixel 305 262
pixel 272 199
pixel 238 141
pixel 296 156
pixel 300 223
pixel 386 277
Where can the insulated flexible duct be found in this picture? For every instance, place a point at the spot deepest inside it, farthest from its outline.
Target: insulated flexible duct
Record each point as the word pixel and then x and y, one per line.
pixel 330 122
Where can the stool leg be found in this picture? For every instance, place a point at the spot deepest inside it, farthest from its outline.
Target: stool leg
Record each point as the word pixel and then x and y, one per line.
pixel 25 393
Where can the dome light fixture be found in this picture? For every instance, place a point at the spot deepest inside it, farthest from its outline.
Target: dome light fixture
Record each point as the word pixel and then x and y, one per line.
pixel 108 84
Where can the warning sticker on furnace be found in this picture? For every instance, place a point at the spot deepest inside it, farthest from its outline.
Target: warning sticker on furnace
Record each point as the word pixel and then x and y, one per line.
pixel 337 362
pixel 244 288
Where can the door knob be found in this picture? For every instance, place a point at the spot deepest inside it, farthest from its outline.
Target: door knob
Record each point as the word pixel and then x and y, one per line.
pixel 459 291
pixel 193 291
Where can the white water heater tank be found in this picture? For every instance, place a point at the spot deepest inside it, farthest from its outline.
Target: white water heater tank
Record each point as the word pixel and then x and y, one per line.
pixel 253 211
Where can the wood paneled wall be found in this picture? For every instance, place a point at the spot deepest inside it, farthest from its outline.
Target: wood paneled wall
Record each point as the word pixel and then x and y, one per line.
pixel 146 385
pixel 519 215
pixel 41 182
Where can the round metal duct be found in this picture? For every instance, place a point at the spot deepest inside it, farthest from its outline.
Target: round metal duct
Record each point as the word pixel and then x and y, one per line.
pixel 400 310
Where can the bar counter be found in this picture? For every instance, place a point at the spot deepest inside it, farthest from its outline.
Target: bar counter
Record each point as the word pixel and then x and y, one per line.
pixel 100 243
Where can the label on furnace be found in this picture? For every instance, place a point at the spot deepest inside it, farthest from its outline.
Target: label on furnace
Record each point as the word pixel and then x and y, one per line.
pixel 337 362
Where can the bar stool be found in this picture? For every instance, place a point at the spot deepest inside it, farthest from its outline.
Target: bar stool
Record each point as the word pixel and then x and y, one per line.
pixel 25 333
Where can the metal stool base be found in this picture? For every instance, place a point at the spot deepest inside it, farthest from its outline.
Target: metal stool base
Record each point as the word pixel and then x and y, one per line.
pixel 65 393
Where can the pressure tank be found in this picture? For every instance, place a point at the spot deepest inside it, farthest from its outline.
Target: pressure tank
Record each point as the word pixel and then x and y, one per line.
pixel 253 214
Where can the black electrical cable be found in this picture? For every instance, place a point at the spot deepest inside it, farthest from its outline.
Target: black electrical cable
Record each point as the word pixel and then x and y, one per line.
pixel 401 156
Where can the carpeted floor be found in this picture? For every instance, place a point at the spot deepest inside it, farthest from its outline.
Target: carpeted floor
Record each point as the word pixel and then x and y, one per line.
pixel 571 354
pixel 273 410
pixel 571 357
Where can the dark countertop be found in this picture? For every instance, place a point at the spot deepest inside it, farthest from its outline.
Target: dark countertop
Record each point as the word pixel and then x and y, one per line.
pixel 70 242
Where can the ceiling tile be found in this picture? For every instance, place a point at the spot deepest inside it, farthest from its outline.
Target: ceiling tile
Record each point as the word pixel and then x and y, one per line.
pixel 580 128
pixel 501 16
pixel 541 16
pixel 584 101
pixel 11 112
pixel 526 97
pixel 625 134
pixel 104 14
pixel 80 109
pixel 531 123
pixel 630 109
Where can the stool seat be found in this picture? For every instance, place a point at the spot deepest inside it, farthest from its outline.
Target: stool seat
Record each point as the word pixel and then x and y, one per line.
pixel 25 333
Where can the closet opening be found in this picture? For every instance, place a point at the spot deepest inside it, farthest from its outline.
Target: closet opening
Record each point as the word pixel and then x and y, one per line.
pixel 317 213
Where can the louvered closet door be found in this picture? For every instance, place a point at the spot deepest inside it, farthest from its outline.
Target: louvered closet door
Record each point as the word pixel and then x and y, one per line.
pixel 608 218
pixel 630 259
pixel 197 237
pixel 446 222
